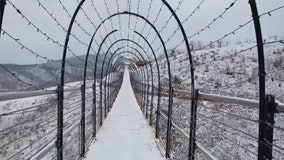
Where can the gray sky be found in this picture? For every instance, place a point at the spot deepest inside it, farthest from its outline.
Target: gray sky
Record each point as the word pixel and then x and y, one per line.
pixel 14 24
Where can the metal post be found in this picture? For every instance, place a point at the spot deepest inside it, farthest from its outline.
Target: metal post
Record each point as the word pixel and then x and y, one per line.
pixel 2 7
pixel 261 65
pixel 192 140
pixel 152 104
pixel 94 111
pixel 147 100
pixel 158 112
pixel 101 97
pixel 169 124
pixel 267 129
pixel 82 152
pixel 59 141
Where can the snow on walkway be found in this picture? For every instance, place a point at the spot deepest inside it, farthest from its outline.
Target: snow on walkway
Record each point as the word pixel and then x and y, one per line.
pixel 125 134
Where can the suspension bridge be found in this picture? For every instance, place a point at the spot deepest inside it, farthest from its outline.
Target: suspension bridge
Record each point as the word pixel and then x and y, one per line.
pixel 136 79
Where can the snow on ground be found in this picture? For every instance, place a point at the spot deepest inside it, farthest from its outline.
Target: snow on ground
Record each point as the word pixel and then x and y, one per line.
pixel 228 131
pixel 26 132
pixel 125 134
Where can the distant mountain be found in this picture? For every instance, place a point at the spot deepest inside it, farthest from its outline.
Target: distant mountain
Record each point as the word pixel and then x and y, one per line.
pixel 46 74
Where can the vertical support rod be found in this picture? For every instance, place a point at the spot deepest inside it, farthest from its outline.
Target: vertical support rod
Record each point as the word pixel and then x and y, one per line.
pixel 82 152
pixel 61 89
pixel 262 152
pixel 101 97
pixel 94 111
pixel 152 103
pixel 147 100
pixel 59 141
pixel 2 8
pixel 158 112
pixel 169 123
pixel 268 134
pixel 193 118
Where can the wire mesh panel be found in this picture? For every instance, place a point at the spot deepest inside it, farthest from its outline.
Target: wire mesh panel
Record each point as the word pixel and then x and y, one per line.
pixel 26 129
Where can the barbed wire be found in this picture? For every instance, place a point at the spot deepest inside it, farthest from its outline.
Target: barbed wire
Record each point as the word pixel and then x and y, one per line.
pixel 154 22
pixel 213 21
pixel 236 53
pixel 19 79
pixel 220 16
pixel 24 47
pixel 185 20
pixel 229 139
pixel 231 32
pixel 167 21
pixel 34 53
pixel 75 21
pixel 90 21
pixel 136 21
pixel 39 125
pixel 129 9
pixel 31 51
pixel 60 25
pixel 101 19
pixel 147 17
pixel 111 23
pixel 49 38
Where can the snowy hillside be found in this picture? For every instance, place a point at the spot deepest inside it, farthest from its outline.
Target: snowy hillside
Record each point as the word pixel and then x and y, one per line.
pixel 28 125
pixel 46 74
pixel 227 131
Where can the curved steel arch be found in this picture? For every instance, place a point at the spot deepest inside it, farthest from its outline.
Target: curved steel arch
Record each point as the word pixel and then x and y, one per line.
pixel 96 61
pixel 169 123
pixel 142 58
pixel 140 72
pixel 136 51
pixel 61 89
pixel 101 77
pixel 105 81
pixel 157 65
pixel 159 85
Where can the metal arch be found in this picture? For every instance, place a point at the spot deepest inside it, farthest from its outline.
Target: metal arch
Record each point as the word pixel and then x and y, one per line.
pixel 59 140
pixel 192 142
pixel 109 66
pixel 150 67
pixel 159 86
pixel 95 70
pixel 169 72
pixel 105 81
pixel 109 73
pixel 139 72
pixel 106 91
pixel 170 81
pixel 2 7
pixel 159 89
pixel 136 51
pixel 60 104
pixel 133 48
pixel 101 91
pixel 148 86
pixel 144 75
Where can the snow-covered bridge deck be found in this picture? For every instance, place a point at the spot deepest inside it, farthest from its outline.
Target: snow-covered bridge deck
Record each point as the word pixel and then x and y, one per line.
pixel 125 134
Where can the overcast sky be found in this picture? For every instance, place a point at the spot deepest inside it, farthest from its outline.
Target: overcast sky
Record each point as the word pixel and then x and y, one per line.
pixel 15 25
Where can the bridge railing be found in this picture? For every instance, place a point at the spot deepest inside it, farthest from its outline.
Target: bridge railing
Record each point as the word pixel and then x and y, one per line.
pixel 29 121
pixel 224 105
pixel 201 46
